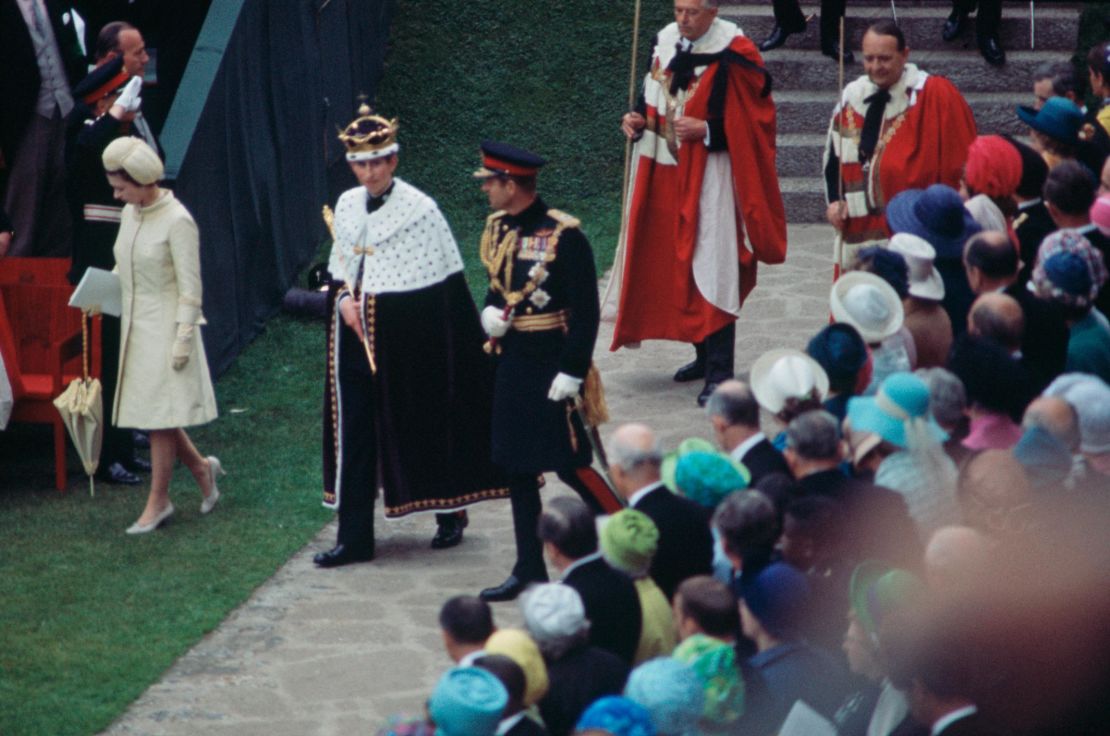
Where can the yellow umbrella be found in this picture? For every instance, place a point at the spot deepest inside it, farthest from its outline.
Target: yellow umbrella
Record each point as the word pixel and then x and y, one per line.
pixel 82 410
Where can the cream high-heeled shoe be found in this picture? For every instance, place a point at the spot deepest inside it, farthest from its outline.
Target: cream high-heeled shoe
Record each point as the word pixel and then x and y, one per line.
pixel 163 515
pixel 215 470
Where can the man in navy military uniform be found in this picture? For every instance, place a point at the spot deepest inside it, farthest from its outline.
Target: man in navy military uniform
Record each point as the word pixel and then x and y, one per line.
pixel 107 101
pixel 542 317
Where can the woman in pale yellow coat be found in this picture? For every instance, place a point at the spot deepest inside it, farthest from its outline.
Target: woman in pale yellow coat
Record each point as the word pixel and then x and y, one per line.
pixel 163 373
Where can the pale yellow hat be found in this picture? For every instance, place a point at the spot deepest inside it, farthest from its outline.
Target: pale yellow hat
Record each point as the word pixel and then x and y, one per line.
pixel 134 156
pixel 522 649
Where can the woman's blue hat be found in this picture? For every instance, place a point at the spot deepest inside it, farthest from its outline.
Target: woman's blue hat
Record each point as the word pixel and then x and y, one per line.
pixel 901 397
pixel 936 214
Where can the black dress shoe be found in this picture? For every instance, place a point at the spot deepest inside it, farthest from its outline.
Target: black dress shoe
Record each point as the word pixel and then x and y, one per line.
pixel 450 530
pixel 992 51
pixel 137 465
pixel 778 37
pixel 141 439
pixel 116 473
pixel 507 591
pixel 953 26
pixel 706 392
pixel 692 371
pixel 341 554
pixel 833 53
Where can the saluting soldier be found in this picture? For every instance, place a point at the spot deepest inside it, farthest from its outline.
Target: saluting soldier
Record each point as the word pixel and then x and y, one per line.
pixel 109 100
pixel 542 316
pixel 409 390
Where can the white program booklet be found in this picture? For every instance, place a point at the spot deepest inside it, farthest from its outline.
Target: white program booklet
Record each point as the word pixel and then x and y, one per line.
pixel 805 721
pixel 99 290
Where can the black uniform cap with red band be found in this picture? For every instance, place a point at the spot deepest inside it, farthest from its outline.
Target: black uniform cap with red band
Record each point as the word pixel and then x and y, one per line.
pixel 501 159
pixel 102 81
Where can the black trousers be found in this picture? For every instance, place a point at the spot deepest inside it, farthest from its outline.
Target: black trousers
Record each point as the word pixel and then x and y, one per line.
pixel 717 353
pixel 524 494
pixel 987 18
pixel 118 444
pixel 788 15
pixel 358 465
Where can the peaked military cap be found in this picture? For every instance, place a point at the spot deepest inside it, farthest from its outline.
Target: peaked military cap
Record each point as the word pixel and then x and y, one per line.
pixel 501 159
pixel 102 81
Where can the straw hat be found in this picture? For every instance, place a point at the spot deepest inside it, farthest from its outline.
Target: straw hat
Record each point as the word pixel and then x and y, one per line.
pixel 868 303
pixel 782 374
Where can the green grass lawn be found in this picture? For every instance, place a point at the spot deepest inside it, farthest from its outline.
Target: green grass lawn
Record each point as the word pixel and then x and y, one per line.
pixel 90 617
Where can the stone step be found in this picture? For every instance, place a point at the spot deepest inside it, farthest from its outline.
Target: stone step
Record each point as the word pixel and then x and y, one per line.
pixel 799 154
pixel 804 198
pixel 796 69
pixel 1054 26
pixel 808 112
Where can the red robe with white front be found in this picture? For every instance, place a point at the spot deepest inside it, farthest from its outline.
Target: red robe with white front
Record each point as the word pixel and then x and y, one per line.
pixel 699 221
pixel 926 130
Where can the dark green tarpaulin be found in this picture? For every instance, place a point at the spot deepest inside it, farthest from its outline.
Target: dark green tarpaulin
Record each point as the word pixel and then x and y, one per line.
pixel 254 159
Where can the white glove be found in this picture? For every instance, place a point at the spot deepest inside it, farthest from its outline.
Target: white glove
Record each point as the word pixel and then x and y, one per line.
pixel 494 323
pixel 564 387
pixel 182 346
pixel 130 99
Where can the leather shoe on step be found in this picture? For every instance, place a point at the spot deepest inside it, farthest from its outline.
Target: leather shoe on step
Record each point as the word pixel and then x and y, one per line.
pixel 342 554
pixel 777 37
pixel 706 392
pixel 507 591
pixel 692 371
pixel 116 473
pixel 449 532
pixel 137 465
pixel 992 51
pixel 953 26
pixel 833 53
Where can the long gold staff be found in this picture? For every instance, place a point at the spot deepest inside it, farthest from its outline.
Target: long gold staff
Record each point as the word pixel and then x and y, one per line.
pixel 329 220
pixel 631 99
pixel 840 148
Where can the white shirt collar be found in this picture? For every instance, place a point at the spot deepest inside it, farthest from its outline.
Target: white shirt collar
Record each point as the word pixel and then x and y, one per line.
pixel 947 720
pixel 580 562
pixel 507 724
pixel 638 495
pixel 741 450
pixel 467 660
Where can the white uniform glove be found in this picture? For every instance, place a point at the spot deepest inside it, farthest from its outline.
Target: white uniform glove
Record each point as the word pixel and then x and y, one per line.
pixel 182 345
pixel 130 99
pixel 564 387
pixel 494 323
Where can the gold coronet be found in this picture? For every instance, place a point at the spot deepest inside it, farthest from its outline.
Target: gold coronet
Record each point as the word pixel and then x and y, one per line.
pixel 369 132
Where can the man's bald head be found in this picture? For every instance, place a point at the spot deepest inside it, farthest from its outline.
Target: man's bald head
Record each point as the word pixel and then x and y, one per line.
pixel 955 559
pixel 634 457
pixel 990 260
pixel 997 317
pixel 1056 417
pixel 734 402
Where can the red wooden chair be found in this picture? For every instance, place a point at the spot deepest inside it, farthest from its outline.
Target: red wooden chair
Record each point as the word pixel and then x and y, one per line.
pixel 40 339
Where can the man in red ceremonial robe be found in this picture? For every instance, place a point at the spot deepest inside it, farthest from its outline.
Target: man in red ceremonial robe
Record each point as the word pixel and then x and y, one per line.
pixel 896 128
pixel 705 203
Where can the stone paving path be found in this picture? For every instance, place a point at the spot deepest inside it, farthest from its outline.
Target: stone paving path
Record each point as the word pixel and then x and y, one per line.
pixel 337 651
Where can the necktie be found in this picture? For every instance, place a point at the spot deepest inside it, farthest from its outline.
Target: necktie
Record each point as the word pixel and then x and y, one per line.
pixel 40 19
pixel 872 123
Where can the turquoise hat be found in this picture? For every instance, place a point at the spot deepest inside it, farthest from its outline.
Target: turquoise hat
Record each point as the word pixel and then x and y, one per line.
pixel 467 701
pixel 669 466
pixel 616 715
pixel 707 477
pixel 671 692
pixel 902 397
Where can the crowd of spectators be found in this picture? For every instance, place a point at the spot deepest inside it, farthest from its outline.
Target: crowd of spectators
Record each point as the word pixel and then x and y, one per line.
pixel 917 543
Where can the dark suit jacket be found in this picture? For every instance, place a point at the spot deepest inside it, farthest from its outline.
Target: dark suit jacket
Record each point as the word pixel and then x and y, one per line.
pixel 973 725
pixel 1044 347
pixel 526 727
pixel 20 80
pixel 576 680
pixel 1031 225
pixel 876 521
pixel 612 606
pixel 763 459
pixel 1102 244
pixel 685 542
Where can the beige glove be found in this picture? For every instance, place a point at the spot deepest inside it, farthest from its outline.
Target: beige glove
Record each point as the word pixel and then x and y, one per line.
pixel 182 345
